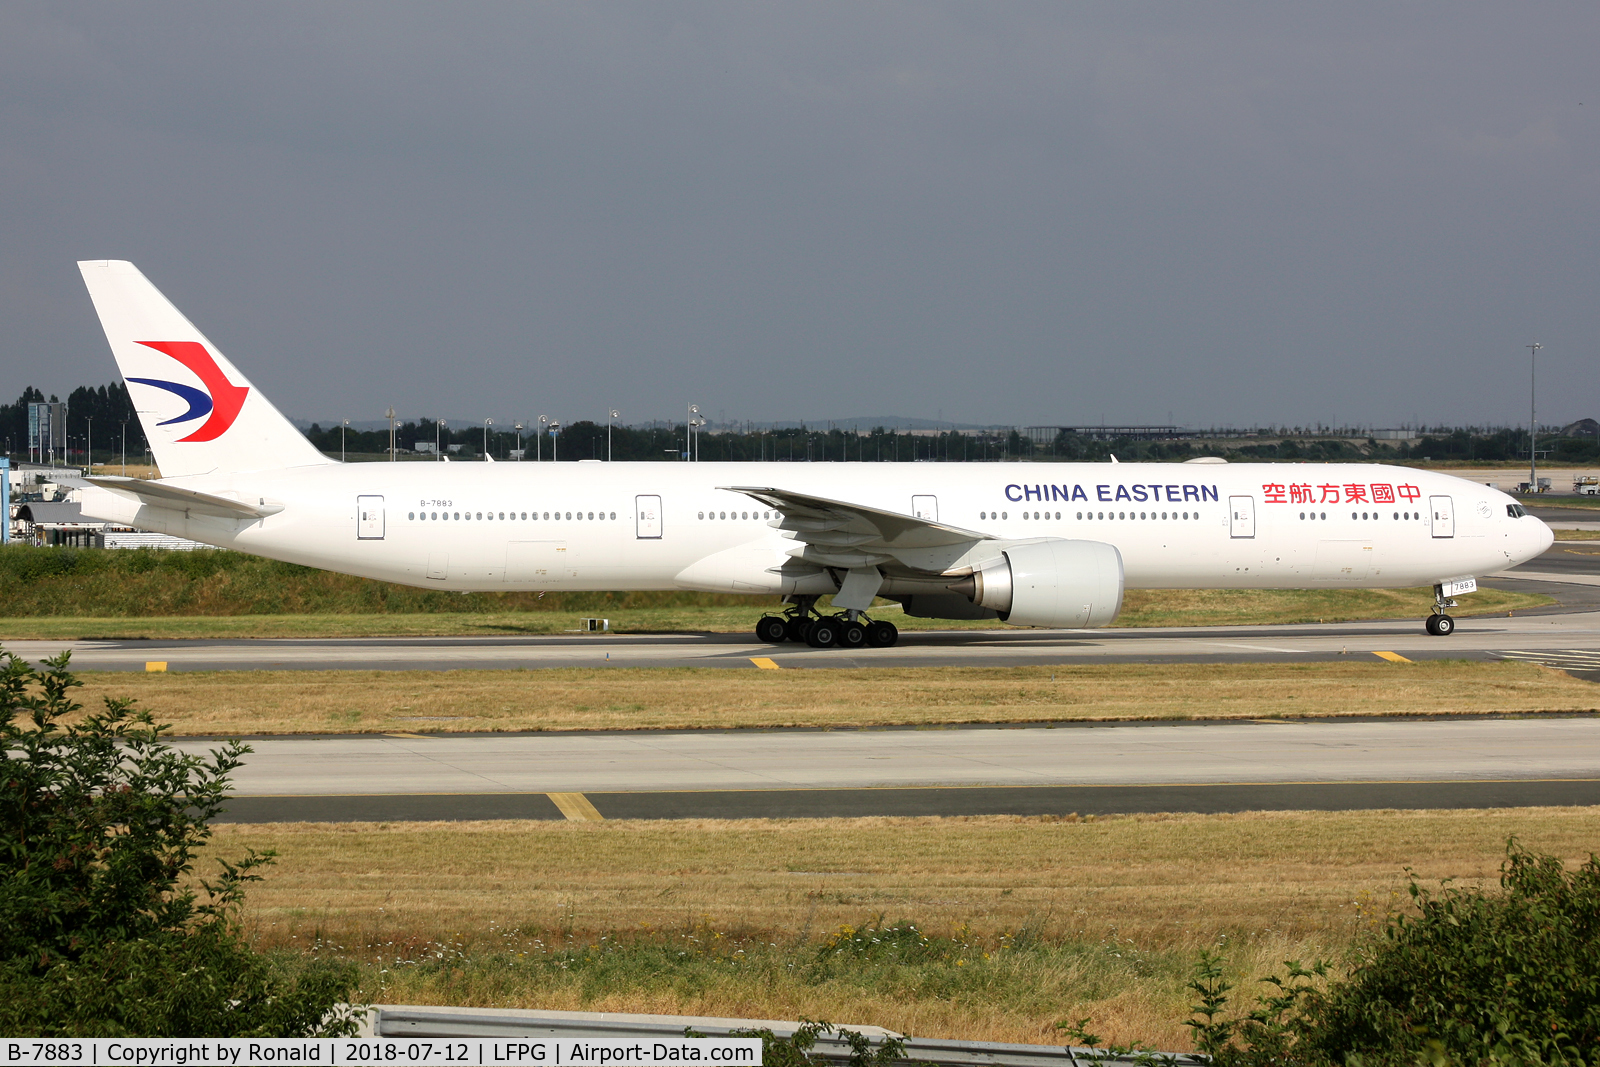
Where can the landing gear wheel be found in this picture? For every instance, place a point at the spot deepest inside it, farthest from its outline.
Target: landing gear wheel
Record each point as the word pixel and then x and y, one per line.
pixel 797 626
pixel 852 635
pixel 773 629
pixel 1441 625
pixel 882 634
pixel 823 632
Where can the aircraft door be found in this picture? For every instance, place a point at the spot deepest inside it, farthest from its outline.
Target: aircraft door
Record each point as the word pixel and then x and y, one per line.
pixel 1241 516
pixel 647 517
pixel 925 507
pixel 1444 516
pixel 369 518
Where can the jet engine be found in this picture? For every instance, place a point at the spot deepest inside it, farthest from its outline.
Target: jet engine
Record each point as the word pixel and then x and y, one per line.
pixel 1051 582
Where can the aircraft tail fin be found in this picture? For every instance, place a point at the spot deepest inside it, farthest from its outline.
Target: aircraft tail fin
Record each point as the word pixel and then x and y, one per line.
pixel 200 415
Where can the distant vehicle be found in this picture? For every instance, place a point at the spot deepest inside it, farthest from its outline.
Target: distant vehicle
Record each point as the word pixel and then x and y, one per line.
pixel 1048 545
pixel 1586 485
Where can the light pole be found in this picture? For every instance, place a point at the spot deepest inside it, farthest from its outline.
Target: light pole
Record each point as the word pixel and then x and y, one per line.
pixel 538 446
pixel 89 452
pixel 688 432
pixel 555 434
pixel 613 415
pixel 518 428
pixel 1533 425
pixel 438 445
pixel 124 448
pixel 390 416
pixel 486 424
pixel 344 424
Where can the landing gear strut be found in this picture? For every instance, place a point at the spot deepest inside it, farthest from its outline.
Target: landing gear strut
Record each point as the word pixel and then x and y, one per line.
pixel 1439 624
pixel 801 623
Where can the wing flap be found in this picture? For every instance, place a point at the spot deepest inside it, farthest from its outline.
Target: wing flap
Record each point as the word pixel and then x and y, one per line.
pixel 177 498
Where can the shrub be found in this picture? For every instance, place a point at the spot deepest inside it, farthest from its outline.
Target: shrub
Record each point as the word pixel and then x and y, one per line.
pixel 100 932
pixel 1472 977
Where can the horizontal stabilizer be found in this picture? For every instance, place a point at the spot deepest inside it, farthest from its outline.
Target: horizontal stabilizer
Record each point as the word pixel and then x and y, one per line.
pixel 176 498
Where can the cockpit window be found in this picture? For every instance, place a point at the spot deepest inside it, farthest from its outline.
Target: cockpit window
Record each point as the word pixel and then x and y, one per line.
pixel 1516 511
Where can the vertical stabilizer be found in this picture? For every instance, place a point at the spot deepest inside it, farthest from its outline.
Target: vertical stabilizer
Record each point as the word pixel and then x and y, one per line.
pixel 200 415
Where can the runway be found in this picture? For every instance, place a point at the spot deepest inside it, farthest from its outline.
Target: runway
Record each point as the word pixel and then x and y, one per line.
pixel 1482 762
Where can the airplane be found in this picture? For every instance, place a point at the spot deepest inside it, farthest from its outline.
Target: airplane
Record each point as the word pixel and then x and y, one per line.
pixel 1042 545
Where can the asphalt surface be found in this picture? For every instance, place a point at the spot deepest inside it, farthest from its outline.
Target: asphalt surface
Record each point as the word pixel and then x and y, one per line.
pixel 912 802
pixel 1084 768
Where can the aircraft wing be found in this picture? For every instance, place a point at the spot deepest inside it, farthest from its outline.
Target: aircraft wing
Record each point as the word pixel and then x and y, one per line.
pixel 177 498
pixel 839 534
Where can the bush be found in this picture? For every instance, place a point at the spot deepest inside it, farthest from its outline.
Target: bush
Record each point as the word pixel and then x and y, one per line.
pixel 101 933
pixel 1471 978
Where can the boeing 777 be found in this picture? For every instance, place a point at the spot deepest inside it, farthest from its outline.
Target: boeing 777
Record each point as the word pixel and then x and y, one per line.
pixel 1047 545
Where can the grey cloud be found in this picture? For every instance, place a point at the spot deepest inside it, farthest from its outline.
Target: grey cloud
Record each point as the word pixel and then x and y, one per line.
pixel 1009 212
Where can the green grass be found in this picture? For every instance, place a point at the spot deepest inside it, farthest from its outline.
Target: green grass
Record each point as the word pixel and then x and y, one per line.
pixel 1018 982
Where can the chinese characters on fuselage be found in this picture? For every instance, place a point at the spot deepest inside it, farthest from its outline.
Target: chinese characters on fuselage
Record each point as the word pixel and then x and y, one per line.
pixel 1330 493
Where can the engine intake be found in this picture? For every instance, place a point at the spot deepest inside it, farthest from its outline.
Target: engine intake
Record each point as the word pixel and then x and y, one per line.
pixel 1052 582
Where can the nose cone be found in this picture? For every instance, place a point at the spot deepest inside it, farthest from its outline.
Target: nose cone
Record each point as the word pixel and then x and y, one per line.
pixel 1544 537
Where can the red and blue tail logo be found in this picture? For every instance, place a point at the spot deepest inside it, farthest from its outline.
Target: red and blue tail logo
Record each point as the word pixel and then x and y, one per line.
pixel 223 401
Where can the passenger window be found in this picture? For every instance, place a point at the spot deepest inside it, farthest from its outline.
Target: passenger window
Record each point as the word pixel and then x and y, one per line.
pixel 613 514
pixel 409 515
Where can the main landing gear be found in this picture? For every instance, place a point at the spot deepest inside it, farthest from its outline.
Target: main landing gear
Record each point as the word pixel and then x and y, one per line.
pixel 802 624
pixel 1439 624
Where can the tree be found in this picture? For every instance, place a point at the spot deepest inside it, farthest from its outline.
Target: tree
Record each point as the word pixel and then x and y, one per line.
pixel 101 933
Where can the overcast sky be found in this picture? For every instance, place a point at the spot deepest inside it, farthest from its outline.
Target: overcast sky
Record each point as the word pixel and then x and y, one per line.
pixel 1025 213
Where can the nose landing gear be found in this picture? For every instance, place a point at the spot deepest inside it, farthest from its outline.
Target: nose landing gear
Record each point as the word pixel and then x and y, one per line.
pixel 802 625
pixel 1439 624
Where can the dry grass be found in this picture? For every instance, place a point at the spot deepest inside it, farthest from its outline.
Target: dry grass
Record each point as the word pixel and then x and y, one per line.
pixel 1116 907
pixel 262 702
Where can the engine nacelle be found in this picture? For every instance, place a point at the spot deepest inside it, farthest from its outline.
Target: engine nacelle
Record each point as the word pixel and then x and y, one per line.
pixel 1052 582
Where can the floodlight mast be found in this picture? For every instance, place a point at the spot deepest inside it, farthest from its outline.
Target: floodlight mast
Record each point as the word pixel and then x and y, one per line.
pixel 1533 425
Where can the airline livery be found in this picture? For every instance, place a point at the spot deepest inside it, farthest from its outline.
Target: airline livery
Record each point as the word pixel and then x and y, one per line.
pixel 1047 545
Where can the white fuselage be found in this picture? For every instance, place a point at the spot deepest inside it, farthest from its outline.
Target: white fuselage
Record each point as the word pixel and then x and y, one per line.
pixel 627 526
